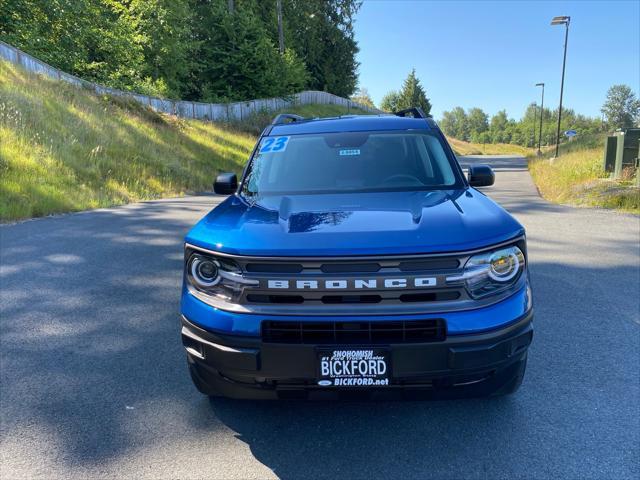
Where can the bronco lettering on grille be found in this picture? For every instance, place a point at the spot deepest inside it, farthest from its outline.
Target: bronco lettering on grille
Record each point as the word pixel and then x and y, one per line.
pixel 353 284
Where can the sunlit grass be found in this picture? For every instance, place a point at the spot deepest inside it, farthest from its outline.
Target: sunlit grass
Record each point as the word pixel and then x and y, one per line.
pixel 64 149
pixel 577 177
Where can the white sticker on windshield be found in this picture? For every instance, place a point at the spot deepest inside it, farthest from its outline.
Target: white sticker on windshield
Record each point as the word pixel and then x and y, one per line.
pixel 349 152
pixel 274 144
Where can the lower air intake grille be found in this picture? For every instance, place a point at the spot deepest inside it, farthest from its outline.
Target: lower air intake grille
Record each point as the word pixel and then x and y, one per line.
pixel 340 333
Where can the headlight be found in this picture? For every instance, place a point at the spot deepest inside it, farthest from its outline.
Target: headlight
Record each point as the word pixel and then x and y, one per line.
pixel 205 272
pixel 215 276
pixel 491 272
pixel 505 264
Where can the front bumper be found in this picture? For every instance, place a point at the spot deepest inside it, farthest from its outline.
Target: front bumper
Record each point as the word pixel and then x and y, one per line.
pixel 245 367
pixel 466 322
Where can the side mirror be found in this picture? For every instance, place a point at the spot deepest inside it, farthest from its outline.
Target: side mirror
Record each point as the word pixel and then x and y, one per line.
pixel 225 184
pixel 481 176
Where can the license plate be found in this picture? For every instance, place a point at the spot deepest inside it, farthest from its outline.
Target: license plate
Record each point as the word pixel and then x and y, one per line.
pixel 362 367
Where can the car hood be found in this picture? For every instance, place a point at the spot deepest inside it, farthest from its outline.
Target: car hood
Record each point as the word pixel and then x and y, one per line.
pixel 355 224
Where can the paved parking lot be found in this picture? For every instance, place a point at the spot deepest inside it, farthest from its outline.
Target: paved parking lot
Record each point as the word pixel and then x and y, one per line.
pixel 94 380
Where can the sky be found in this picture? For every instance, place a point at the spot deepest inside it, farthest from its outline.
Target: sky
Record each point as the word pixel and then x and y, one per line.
pixel 490 54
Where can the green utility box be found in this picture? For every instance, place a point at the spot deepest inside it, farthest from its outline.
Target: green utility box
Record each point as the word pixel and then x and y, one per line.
pixel 610 154
pixel 626 150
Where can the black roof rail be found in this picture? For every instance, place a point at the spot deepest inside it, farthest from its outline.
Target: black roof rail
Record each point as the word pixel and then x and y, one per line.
pixel 281 118
pixel 417 112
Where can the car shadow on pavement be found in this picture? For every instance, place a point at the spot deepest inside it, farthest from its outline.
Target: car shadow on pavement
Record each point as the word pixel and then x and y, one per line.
pixel 367 439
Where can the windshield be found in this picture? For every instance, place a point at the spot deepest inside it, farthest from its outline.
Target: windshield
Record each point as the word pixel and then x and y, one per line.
pixel 349 162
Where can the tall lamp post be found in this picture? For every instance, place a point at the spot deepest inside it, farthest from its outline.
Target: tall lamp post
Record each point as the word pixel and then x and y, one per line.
pixel 535 120
pixel 561 21
pixel 541 115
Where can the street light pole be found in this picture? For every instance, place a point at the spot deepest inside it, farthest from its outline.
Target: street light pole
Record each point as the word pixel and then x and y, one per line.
pixel 535 118
pixel 561 21
pixel 541 115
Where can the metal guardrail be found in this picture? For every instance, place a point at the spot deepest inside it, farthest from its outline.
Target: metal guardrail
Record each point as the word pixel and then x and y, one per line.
pixel 181 108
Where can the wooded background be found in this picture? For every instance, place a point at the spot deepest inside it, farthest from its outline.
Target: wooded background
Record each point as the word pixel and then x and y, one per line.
pixel 197 50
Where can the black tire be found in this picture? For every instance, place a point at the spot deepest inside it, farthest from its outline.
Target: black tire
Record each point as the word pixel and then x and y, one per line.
pixel 202 387
pixel 512 384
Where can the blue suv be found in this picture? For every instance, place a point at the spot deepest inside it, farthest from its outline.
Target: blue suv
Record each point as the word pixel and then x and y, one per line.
pixel 354 256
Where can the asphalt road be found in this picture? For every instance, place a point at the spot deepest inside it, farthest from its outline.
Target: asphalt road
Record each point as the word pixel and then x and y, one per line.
pixel 94 380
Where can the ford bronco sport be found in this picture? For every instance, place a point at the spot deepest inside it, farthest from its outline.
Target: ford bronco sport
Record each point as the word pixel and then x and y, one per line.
pixel 354 256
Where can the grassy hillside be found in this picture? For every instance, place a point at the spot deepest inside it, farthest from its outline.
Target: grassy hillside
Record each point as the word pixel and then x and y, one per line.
pixel 65 149
pixel 577 177
pixel 466 148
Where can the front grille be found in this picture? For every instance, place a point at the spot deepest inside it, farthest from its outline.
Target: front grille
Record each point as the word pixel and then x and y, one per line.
pixel 258 298
pixel 330 286
pixel 366 332
pixel 446 296
pixel 430 264
pixel 337 299
pixel 273 268
pixel 350 267
pixel 425 297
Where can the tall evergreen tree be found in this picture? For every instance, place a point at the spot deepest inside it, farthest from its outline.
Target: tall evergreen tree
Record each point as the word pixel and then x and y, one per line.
pixel 321 33
pixel 413 95
pixel 238 61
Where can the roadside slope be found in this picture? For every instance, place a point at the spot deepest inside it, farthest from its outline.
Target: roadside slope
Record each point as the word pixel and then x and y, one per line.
pixel 66 149
pixel 577 177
